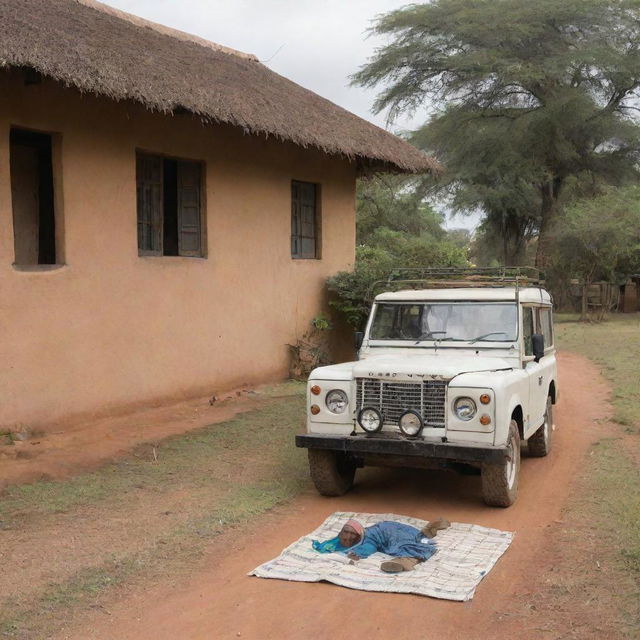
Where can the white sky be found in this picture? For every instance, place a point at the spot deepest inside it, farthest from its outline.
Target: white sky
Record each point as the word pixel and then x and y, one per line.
pixel 316 43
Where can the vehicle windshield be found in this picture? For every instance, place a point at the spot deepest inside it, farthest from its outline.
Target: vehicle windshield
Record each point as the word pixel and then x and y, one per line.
pixel 458 321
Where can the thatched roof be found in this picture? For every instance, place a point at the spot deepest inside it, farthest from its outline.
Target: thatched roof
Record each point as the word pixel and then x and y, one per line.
pixel 97 49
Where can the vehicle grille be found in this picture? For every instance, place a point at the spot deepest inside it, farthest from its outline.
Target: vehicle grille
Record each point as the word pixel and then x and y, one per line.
pixel 392 399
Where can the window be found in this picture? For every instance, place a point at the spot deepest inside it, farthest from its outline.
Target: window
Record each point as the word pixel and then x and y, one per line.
pixel 169 206
pixel 527 330
pixel 455 322
pixel 545 326
pixel 34 220
pixel 305 220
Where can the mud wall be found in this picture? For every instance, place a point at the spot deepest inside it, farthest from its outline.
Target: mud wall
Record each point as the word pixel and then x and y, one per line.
pixel 108 328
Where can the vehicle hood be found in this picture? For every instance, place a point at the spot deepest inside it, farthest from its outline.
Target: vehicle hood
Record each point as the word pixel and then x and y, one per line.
pixel 445 366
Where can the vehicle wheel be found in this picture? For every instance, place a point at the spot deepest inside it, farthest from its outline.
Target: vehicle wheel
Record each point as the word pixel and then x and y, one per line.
pixel 331 471
pixel 539 443
pixel 500 481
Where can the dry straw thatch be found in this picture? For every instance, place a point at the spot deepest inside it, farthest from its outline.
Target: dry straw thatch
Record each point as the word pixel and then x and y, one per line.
pixel 96 49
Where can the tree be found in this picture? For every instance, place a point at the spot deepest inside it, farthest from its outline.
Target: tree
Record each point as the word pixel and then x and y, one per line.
pixel 599 238
pixel 485 169
pixel 554 82
pixel 397 203
pixel 395 228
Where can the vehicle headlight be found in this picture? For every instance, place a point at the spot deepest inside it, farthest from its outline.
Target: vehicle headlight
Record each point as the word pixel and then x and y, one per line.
pixel 465 408
pixel 337 401
pixel 370 420
pixel 410 423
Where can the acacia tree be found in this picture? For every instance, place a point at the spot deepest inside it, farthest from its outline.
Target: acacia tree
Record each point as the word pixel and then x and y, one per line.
pixel 396 202
pixel 556 82
pixel 486 168
pixel 599 238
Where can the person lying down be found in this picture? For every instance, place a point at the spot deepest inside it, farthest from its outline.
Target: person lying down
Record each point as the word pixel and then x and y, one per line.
pixel 407 544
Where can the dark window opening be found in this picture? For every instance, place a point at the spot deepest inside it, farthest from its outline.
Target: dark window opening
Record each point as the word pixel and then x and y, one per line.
pixel 170 227
pixel 34 226
pixel 168 206
pixel 305 220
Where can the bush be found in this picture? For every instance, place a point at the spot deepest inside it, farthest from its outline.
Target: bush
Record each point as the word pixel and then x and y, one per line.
pixel 351 291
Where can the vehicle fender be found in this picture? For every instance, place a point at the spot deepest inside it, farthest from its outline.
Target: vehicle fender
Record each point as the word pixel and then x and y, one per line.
pixel 512 391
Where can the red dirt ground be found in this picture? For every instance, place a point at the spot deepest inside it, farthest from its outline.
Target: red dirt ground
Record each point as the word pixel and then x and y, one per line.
pixel 67 449
pixel 219 601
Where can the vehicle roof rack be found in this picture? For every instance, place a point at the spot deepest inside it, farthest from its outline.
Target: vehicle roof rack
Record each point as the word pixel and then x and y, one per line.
pixel 454 277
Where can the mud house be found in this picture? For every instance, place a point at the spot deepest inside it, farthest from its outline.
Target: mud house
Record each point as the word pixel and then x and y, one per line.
pixel 169 210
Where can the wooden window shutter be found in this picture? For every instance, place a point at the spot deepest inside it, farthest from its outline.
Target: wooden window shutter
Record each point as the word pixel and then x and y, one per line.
pixel 189 227
pixel 149 204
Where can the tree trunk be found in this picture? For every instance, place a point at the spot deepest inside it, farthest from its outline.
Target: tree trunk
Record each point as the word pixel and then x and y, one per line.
pixel 584 306
pixel 549 211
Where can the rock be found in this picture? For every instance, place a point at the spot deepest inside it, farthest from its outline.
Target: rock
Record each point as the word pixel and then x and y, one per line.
pixel 213 399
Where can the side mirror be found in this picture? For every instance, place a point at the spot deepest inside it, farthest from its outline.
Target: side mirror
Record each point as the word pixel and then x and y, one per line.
pixel 358 337
pixel 537 342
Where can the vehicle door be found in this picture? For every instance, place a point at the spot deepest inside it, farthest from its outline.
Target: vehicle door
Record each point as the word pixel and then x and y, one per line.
pixel 535 370
pixel 544 325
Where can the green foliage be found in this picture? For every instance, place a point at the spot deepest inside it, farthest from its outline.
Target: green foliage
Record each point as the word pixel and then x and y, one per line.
pixel 599 238
pixel 351 289
pixel 321 322
pixel 395 228
pixel 527 98
pixel 396 203
pixel 311 350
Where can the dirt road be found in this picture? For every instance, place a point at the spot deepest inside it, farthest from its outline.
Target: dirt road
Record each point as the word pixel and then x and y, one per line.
pixel 220 601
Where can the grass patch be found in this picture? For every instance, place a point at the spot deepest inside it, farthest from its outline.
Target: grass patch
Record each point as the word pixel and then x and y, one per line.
pixel 617 481
pixel 614 346
pixel 611 499
pixel 171 556
pixel 250 461
pixel 193 459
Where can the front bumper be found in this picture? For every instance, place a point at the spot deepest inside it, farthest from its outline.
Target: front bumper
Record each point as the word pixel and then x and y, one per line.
pixel 399 446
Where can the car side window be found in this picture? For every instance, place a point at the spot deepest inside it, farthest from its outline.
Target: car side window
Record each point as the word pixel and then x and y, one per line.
pixel 527 330
pixel 545 326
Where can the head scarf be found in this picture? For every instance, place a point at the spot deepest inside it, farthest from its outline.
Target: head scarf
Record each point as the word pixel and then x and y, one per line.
pixel 356 526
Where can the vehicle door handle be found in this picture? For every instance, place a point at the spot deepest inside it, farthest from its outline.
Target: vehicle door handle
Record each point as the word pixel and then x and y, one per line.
pixel 540 378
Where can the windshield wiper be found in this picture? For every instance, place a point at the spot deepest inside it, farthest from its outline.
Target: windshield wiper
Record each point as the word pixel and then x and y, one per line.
pixel 486 335
pixel 428 334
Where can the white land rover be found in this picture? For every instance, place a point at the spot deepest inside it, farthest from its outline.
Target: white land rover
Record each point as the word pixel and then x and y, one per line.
pixel 453 377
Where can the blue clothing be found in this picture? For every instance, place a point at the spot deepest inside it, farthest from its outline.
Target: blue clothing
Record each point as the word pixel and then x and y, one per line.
pixel 394 538
pixel 329 546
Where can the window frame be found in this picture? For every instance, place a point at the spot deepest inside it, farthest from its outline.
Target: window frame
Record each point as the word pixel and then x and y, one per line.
pixel 548 344
pixel 538 327
pixel 296 221
pixel 534 314
pixel 158 217
pixel 54 162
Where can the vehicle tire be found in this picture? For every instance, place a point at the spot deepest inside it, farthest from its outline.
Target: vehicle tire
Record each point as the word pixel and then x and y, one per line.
pixel 500 481
pixel 331 471
pixel 539 444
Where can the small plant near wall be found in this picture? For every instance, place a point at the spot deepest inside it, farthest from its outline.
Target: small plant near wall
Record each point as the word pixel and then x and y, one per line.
pixel 311 350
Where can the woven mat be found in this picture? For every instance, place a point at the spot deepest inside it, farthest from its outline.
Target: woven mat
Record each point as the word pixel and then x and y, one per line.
pixel 466 553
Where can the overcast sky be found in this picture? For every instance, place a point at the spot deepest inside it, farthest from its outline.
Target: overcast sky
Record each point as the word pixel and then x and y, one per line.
pixel 316 43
